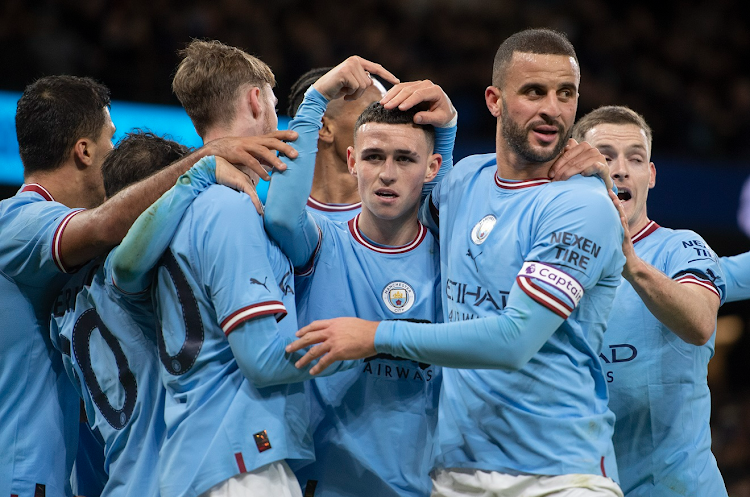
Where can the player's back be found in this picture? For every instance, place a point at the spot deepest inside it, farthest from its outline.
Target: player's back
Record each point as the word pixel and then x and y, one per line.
pixel 658 382
pixel 494 232
pixel 373 425
pixel 108 344
pixel 38 404
pixel 219 423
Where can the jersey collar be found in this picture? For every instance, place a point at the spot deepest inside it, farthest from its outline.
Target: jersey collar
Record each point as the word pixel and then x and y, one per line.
pixel 322 206
pixel 645 231
pixel 383 249
pixel 37 188
pixel 517 185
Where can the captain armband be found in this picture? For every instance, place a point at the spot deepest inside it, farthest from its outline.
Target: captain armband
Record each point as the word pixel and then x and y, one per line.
pixel 569 287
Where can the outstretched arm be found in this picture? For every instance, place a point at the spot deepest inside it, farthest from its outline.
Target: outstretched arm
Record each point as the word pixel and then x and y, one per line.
pixel 93 232
pixel 737 274
pixel 507 341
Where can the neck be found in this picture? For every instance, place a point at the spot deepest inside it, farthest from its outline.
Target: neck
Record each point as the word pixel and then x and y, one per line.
pixel 236 128
pixel 512 166
pixel 389 232
pixel 332 182
pixel 65 185
pixel 637 225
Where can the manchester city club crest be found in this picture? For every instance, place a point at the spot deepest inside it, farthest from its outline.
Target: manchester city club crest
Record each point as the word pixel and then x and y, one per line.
pixel 482 229
pixel 398 296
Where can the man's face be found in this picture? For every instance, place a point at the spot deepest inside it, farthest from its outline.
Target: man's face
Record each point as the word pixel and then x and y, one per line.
pixel 269 101
pixel 99 150
pixel 391 162
pixel 539 100
pixel 626 149
pixel 343 116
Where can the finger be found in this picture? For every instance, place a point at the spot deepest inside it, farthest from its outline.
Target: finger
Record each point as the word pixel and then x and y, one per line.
pixel 283 135
pixel 254 197
pixel 310 338
pixel 276 144
pixel 311 355
pixel 378 70
pixel 314 326
pixel 322 364
pixel 398 94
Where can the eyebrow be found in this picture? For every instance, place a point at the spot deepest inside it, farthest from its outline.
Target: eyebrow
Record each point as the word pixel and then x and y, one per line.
pixel 400 151
pixel 630 149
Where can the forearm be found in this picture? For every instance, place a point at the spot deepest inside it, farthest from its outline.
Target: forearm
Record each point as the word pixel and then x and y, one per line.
pixel 507 341
pixel 134 259
pixel 259 351
pixel 93 232
pixel 445 140
pixel 688 310
pixel 286 219
pixel 737 275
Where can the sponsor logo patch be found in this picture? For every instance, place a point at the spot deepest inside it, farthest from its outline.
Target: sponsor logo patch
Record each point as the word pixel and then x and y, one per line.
pixel 398 296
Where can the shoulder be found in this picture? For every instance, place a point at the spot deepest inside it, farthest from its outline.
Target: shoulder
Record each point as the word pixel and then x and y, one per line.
pixel 471 166
pixel 220 204
pixel 579 193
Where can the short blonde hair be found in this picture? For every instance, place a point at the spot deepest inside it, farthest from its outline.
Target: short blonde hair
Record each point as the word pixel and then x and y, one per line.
pixel 210 77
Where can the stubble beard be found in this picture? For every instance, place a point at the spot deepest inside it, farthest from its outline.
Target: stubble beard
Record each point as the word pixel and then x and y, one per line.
pixel 518 139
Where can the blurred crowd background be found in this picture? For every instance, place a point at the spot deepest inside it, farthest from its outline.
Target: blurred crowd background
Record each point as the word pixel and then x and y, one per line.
pixel 683 65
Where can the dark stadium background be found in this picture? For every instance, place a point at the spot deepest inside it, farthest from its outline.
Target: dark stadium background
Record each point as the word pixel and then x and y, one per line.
pixel 683 65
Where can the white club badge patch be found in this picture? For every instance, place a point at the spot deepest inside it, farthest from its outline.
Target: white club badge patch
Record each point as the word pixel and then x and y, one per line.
pixel 398 296
pixel 482 229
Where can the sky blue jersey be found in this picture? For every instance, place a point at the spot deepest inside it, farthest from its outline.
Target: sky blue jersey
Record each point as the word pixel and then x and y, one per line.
pixel 373 426
pixel 222 275
pixel 540 262
pixel 657 382
pixel 736 271
pixel 108 344
pixel 39 407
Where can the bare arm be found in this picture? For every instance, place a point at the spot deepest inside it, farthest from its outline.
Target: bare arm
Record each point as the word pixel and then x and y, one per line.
pixel 688 310
pixel 95 231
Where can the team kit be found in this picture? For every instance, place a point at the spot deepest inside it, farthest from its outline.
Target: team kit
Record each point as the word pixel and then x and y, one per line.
pixel 385 323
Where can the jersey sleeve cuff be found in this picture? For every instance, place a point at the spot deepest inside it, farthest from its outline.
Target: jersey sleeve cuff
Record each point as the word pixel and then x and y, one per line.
pixel 57 243
pixel 694 279
pixel 384 337
pixel 253 311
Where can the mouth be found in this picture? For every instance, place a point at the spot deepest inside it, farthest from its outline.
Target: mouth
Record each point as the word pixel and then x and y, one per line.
pixel 546 133
pixel 623 194
pixel 386 194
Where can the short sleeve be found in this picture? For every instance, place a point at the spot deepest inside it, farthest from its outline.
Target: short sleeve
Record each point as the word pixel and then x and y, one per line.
pixel 691 261
pixel 235 261
pixel 30 243
pixel 576 245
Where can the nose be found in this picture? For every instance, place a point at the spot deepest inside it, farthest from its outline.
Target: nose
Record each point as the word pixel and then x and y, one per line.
pixel 388 171
pixel 618 168
pixel 551 106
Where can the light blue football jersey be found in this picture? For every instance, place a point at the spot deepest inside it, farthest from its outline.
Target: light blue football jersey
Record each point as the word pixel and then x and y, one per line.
pixel 108 343
pixel 736 271
pixel 334 212
pixel 220 272
pixel 560 243
pixel 657 382
pixel 373 426
pixel 39 407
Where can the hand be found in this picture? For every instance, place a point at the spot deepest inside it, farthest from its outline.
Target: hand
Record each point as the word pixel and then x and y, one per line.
pixel 631 260
pixel 254 154
pixel 580 158
pixel 351 78
pixel 407 95
pixel 338 339
pixel 228 175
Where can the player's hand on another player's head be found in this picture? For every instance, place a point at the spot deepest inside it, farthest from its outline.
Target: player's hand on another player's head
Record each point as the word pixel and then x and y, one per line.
pixel 240 180
pixel 440 110
pixel 337 340
pixel 351 78
pixel 580 158
pixel 254 153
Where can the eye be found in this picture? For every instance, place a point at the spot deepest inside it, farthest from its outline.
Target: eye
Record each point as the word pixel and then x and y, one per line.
pixel 534 91
pixel 371 157
pixel 405 158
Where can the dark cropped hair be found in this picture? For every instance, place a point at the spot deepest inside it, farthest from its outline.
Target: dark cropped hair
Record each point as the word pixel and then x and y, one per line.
pixel 137 156
pixel 610 114
pixel 297 93
pixel 536 41
pixel 53 114
pixel 376 113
